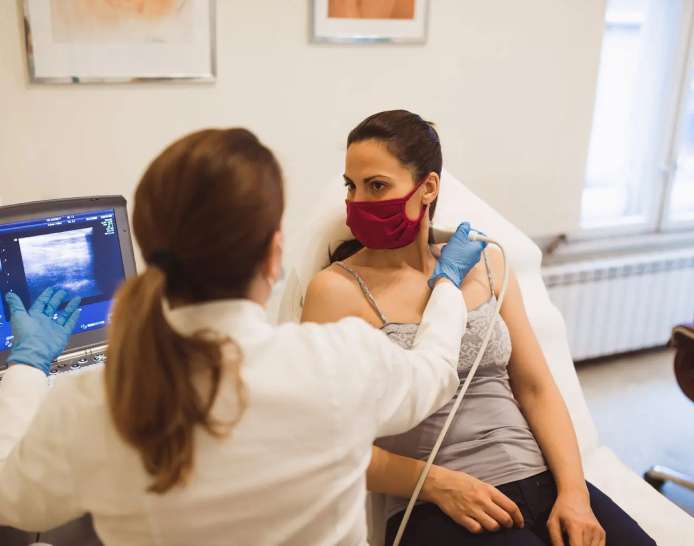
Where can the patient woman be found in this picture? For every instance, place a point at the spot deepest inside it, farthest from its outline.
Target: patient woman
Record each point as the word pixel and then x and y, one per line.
pixel 509 471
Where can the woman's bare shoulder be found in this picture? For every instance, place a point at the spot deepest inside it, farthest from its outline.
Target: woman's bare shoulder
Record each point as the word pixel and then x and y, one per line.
pixel 331 280
pixel 331 295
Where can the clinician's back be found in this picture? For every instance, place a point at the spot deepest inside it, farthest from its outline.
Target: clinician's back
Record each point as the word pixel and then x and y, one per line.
pixel 288 472
pixel 232 419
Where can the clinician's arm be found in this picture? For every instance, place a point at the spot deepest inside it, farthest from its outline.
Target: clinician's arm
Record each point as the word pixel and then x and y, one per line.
pixel 35 493
pixel 40 334
pixel 37 487
pixel 22 390
pixel 392 388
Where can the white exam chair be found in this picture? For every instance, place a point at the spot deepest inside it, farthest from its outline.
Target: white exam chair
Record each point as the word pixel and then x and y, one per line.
pixel 664 521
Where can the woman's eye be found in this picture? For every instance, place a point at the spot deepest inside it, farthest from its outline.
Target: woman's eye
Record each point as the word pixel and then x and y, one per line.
pixel 349 186
pixel 377 186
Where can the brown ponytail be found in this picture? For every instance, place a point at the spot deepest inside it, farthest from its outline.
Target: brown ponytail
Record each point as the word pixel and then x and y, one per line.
pixel 211 203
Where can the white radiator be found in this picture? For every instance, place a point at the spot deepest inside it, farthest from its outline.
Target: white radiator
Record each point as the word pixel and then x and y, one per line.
pixel 623 303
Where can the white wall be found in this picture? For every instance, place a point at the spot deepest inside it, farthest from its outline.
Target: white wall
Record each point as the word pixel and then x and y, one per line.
pixel 510 85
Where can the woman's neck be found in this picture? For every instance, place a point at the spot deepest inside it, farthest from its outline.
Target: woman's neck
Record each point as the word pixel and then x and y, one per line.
pixel 416 255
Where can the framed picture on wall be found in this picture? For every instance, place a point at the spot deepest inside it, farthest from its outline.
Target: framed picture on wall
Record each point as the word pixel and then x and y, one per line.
pixel 369 21
pixel 87 41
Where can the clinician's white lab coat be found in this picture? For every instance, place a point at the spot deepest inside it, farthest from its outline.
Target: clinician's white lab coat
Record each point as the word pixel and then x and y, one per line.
pixel 292 472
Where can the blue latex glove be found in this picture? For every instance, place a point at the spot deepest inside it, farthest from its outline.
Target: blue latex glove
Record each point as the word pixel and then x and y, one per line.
pixel 458 256
pixel 41 334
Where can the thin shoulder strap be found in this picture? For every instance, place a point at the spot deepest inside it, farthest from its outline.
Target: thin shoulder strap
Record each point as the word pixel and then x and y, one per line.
pixel 365 290
pixel 490 276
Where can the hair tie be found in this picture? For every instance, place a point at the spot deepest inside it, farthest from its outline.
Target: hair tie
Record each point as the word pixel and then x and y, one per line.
pixel 166 261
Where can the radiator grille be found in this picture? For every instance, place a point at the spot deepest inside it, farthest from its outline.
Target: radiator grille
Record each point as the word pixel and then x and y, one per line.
pixel 623 303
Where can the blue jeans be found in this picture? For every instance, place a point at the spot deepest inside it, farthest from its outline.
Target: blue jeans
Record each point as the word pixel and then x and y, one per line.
pixel 535 497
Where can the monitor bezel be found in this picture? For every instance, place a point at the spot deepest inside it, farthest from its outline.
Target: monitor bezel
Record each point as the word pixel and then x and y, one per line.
pixel 76 205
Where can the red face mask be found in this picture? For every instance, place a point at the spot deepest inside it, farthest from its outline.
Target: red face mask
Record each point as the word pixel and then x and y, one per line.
pixel 383 224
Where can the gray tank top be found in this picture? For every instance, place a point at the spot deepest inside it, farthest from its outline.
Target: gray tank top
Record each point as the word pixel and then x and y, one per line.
pixel 489 438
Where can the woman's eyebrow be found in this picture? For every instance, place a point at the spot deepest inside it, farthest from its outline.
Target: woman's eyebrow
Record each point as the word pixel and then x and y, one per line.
pixel 369 178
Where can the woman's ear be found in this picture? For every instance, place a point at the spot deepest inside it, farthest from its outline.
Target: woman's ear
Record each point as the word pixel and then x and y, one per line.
pixel 431 188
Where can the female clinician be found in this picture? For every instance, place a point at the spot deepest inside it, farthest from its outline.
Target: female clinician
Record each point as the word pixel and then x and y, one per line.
pixel 209 425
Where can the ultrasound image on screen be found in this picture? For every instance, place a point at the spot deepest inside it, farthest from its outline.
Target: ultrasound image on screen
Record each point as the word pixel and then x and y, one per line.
pixel 64 259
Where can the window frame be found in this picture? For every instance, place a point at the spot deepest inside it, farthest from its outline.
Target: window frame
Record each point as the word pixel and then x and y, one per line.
pixel 686 71
pixel 657 219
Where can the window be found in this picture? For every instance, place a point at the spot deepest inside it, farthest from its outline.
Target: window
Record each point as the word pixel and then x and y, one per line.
pixel 681 198
pixel 644 110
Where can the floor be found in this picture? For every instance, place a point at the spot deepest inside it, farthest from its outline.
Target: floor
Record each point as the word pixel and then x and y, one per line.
pixel 642 414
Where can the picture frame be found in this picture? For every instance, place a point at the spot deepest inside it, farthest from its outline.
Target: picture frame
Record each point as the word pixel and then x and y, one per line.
pixel 384 22
pixel 78 41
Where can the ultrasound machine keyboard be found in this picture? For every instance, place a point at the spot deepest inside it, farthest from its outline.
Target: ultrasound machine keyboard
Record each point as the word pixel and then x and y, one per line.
pixel 74 363
pixel 77 363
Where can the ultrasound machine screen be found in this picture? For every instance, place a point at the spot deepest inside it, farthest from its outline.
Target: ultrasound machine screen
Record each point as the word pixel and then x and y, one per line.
pixel 81 251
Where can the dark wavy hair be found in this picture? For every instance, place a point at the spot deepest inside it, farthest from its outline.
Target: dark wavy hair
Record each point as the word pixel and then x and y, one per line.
pixel 412 140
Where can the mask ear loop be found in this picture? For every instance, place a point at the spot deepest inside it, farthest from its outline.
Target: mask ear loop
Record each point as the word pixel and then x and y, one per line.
pixel 425 207
pixel 407 199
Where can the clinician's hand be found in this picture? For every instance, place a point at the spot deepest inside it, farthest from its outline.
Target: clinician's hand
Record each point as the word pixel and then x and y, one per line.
pixel 41 334
pixel 472 503
pixel 458 256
